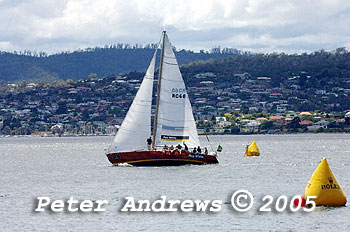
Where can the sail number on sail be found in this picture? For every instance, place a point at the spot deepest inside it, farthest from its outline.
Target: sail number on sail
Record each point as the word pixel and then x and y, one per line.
pixel 178 93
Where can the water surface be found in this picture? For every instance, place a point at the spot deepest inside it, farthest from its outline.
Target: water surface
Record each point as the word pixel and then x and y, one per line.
pixel 63 167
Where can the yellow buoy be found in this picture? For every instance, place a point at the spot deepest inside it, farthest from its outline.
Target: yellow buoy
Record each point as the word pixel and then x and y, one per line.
pixel 325 187
pixel 252 150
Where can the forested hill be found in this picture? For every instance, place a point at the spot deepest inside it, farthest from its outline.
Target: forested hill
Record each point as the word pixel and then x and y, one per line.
pixel 105 61
pixel 317 69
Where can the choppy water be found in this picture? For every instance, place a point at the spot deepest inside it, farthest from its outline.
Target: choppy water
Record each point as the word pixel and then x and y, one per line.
pixel 63 167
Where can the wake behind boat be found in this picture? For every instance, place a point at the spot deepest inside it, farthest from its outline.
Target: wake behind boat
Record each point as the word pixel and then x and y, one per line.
pixel 174 140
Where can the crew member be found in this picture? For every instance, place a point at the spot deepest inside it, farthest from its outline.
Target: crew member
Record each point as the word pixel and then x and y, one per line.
pixel 205 151
pixel 149 143
pixel 165 149
pixel 186 148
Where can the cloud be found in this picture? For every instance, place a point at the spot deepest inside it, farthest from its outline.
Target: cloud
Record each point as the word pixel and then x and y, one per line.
pixel 5 45
pixel 269 25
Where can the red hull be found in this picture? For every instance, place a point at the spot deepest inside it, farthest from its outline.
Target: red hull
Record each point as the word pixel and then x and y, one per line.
pixel 158 158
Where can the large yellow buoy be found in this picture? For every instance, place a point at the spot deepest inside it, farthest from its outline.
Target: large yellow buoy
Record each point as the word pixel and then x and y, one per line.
pixel 252 150
pixel 325 187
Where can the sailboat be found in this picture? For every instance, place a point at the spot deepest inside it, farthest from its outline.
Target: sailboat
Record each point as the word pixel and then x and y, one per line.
pixel 173 124
pixel 252 150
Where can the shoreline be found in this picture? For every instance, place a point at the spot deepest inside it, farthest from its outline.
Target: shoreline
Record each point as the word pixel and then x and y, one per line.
pixel 111 135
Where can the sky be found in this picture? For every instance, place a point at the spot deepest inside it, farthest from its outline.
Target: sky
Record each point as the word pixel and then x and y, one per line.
pixel 290 26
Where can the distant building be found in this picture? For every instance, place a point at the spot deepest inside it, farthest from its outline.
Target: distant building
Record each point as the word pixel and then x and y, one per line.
pixel 305 114
pixel 220 119
pixel 305 122
pixel 252 126
pixel 276 117
pixel 263 78
pixel 317 125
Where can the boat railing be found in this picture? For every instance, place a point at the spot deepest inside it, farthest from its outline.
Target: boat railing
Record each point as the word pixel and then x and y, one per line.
pixel 176 151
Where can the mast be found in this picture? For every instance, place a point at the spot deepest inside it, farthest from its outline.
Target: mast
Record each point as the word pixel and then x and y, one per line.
pixel 158 91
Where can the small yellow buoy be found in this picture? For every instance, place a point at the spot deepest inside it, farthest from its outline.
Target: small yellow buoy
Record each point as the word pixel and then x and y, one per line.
pixel 252 150
pixel 325 187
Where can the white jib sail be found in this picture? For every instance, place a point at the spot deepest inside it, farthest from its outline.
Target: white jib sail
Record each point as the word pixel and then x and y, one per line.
pixel 136 127
pixel 175 123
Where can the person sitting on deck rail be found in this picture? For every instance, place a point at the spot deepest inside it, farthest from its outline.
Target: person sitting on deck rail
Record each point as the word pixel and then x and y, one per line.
pixel 171 148
pixel 205 151
pixel 179 148
pixel 165 148
pixel 199 150
pixel 194 150
pixel 176 151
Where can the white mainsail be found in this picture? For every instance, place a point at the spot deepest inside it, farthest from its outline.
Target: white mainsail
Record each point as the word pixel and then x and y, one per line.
pixel 175 121
pixel 136 127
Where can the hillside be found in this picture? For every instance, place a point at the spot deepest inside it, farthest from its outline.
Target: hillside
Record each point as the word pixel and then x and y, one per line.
pixel 316 70
pixel 79 64
pixel 256 93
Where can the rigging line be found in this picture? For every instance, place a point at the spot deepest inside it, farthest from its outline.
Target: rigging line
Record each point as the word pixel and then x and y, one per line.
pixel 209 141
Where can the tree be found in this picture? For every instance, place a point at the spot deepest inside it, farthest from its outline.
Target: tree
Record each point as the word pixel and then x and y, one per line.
pixel 294 124
pixel 347 121
pixel 57 129
pixel 92 76
pixel 7 130
pixel 267 125
pixel 62 108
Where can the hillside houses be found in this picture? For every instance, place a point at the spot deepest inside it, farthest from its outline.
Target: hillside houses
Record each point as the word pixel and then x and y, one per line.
pixel 98 105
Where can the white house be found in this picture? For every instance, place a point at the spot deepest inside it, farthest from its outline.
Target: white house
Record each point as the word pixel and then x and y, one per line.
pixel 252 126
pixel 317 125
